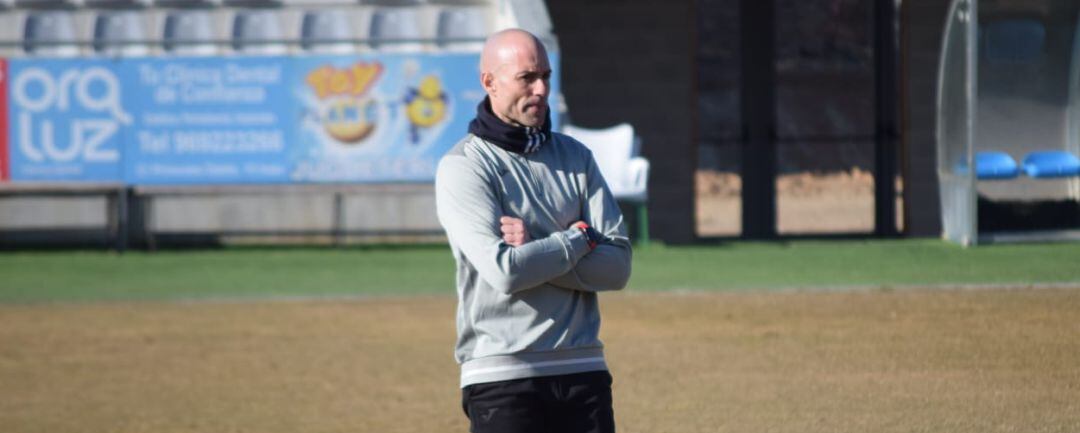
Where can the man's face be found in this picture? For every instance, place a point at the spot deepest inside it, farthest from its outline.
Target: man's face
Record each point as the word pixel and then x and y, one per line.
pixel 519 86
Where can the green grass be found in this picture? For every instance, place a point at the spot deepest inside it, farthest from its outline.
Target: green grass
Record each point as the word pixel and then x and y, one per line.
pixel 236 272
pixel 875 263
pixel 411 270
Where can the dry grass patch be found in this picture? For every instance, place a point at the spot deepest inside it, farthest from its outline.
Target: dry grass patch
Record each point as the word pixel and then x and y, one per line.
pixel 958 361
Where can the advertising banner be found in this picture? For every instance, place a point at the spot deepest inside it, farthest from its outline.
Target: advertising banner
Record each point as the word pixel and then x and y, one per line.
pixel 382 117
pixel 208 120
pixel 65 119
pixel 5 156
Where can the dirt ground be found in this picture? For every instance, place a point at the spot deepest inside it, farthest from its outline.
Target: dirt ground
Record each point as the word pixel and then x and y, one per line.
pixel 872 361
pixel 806 203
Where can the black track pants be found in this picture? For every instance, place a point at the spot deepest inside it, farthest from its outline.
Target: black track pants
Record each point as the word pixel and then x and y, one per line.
pixel 573 403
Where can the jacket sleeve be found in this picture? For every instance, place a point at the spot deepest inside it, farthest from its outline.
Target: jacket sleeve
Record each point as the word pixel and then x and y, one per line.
pixel 469 210
pixel 608 266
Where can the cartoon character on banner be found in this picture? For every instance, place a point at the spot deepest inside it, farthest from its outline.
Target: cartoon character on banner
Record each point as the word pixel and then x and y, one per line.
pixel 425 106
pixel 346 111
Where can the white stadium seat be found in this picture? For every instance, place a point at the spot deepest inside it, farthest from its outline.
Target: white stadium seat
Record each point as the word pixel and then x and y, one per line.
pixel 50 34
pixel 396 29
pixel 462 28
pixel 120 33
pixel 189 32
pixel 327 31
pixel 258 31
pixel 615 150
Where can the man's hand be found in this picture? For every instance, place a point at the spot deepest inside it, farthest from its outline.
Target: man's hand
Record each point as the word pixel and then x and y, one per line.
pixel 513 231
pixel 591 236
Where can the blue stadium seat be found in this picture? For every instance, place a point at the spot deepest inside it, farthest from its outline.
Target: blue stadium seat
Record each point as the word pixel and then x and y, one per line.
pixel 992 165
pixel 1051 164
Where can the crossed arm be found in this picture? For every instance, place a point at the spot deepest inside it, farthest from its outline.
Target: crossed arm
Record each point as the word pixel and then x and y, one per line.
pixel 605 267
pixel 499 247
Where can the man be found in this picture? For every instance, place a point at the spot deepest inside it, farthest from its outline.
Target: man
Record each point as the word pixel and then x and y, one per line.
pixel 536 234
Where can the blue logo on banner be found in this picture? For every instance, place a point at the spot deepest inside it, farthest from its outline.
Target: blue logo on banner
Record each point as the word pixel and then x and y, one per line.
pixel 66 117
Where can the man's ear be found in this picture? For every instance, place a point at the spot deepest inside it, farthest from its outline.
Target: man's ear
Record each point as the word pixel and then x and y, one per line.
pixel 487 81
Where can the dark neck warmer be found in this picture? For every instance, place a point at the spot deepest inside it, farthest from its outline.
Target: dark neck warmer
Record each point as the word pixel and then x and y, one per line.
pixel 512 138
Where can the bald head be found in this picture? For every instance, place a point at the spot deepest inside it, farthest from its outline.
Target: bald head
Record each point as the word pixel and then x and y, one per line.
pixel 505 45
pixel 514 72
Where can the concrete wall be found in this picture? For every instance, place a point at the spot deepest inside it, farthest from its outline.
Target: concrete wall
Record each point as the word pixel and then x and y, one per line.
pixel 376 208
pixel 633 61
pixel 284 214
pixel 40 213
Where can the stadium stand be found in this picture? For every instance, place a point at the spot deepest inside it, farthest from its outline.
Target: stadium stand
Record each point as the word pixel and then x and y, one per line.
pixel 222 28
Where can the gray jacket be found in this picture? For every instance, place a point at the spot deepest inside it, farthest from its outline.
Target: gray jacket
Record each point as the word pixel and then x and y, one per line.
pixel 531 310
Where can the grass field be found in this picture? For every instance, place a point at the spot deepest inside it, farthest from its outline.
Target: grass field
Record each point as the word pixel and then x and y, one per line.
pixel 413 270
pixel 888 336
